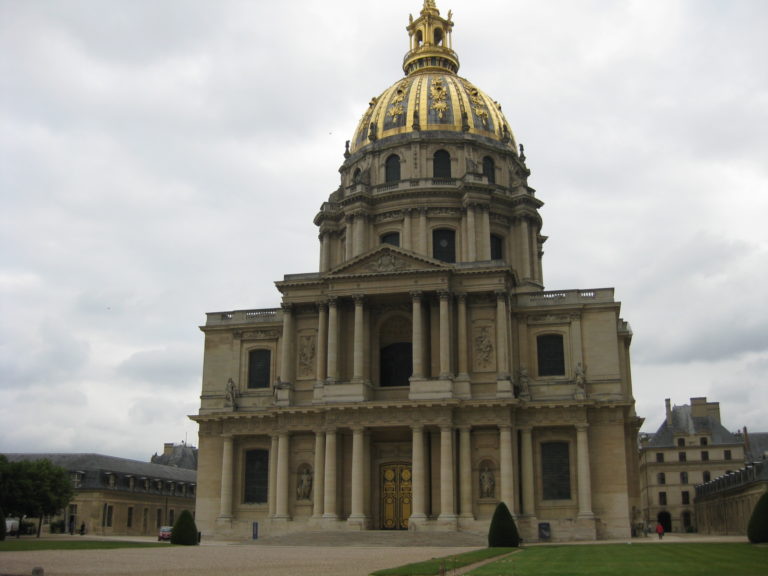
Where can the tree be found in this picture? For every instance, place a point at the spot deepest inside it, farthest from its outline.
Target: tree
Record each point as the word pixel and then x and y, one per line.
pixel 503 531
pixel 34 488
pixel 184 530
pixel 757 529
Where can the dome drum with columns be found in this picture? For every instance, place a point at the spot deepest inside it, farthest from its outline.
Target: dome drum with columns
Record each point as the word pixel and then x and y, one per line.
pixel 422 375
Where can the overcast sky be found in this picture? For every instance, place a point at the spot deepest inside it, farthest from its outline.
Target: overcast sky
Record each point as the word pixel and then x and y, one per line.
pixel 160 160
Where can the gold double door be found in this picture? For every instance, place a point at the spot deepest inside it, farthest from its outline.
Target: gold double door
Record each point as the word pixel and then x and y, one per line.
pixel 396 496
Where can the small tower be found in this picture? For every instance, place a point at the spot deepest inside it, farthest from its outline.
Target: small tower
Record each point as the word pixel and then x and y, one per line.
pixel 431 42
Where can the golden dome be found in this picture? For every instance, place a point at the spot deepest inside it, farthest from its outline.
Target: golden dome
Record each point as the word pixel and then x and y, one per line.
pixel 432 97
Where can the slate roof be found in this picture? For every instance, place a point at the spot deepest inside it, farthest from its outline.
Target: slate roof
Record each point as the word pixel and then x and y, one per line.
pixel 101 464
pixel 683 423
pixel 757 446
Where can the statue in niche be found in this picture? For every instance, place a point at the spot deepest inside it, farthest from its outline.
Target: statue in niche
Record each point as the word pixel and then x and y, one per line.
pixel 580 379
pixel 487 483
pixel 307 355
pixel 304 486
pixel 484 348
pixel 523 384
pixel 231 394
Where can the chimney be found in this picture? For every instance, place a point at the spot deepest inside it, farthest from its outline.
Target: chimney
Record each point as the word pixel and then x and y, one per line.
pixel 669 412
pixel 168 448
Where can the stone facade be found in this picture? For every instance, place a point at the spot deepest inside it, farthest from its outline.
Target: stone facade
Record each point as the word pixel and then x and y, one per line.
pixel 422 375
pixel 691 447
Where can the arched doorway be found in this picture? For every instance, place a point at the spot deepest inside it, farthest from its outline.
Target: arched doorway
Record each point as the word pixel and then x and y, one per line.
pixel 665 520
pixel 395 352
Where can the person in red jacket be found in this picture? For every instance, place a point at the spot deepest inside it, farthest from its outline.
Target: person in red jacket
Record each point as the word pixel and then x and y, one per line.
pixel 660 530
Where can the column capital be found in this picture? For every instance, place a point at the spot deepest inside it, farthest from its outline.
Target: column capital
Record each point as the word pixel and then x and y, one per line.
pixel 582 426
pixel 417 295
pixel 359 299
pixel 333 301
pixel 444 294
pixel 460 296
pixel 322 304
pixel 417 427
pixel 500 294
pixel 287 307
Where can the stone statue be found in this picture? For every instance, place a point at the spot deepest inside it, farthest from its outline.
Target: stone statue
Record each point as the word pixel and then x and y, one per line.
pixel 487 483
pixel 523 381
pixel 231 394
pixel 580 379
pixel 304 487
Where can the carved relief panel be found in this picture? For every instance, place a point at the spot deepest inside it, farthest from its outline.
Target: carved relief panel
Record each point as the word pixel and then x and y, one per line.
pixel 483 347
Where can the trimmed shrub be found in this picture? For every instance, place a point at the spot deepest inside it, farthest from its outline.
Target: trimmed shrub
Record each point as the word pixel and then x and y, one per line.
pixel 757 529
pixel 503 531
pixel 185 530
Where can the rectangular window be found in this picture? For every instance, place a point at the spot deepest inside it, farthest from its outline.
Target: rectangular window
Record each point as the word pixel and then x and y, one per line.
pixel 551 356
pixel 171 516
pixel 704 456
pixel 107 519
pixel 129 518
pixel 686 497
pixel 681 457
pixel 256 476
pixel 556 471
pixel 661 478
pixel 706 476
pixel 662 498
pixel 703 441
pixel 258 368
pixel 660 457
pixel 497 247
pixel 683 477
pixel 727 454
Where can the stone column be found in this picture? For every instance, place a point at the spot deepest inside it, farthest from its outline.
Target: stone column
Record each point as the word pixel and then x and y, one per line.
pixel 407 242
pixel 507 469
pixel 318 491
pixel 325 251
pixel 286 357
pixel 423 240
pixel 360 233
pixel 283 455
pixel 418 475
pixel 359 341
pixel 227 451
pixel 463 338
pixel 465 466
pixel 272 495
pixel 525 263
pixel 349 237
pixel 445 336
pixel 417 337
pixel 484 244
pixel 471 234
pixel 322 341
pixel 329 503
pixel 333 340
pixel 447 496
pixel 502 347
pixel 526 455
pixel 582 470
pixel 357 515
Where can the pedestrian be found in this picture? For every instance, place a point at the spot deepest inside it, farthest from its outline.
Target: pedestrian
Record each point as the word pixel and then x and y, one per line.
pixel 82 528
pixel 660 530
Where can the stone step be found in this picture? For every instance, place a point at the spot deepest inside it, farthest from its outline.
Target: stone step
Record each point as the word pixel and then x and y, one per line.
pixel 377 538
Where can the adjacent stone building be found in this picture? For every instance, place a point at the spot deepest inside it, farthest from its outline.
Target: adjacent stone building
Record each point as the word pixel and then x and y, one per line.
pixel 691 447
pixel 422 375
pixel 120 497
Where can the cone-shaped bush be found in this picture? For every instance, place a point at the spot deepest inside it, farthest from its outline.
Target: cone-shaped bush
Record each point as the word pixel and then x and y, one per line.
pixel 757 529
pixel 185 530
pixel 503 531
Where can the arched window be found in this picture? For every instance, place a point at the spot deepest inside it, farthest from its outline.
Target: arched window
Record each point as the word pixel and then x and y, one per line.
pixel 256 481
pixel 444 244
pixel 497 247
pixel 441 164
pixel 551 356
pixel 356 176
pixel 391 238
pixel 438 36
pixel 258 368
pixel 392 168
pixel 489 169
pixel 419 38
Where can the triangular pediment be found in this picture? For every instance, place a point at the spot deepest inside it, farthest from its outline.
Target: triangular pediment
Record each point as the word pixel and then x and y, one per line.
pixel 387 259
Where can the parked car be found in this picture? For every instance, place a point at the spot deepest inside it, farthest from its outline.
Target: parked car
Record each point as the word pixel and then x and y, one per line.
pixel 164 533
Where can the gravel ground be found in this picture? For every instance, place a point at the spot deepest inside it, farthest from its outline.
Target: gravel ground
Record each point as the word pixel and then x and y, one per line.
pixel 215 560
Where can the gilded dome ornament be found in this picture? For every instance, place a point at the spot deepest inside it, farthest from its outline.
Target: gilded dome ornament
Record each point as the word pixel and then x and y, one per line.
pixel 431 97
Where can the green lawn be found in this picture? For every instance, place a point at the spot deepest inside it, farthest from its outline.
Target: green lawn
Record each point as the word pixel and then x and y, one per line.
pixel 27 545
pixel 683 559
